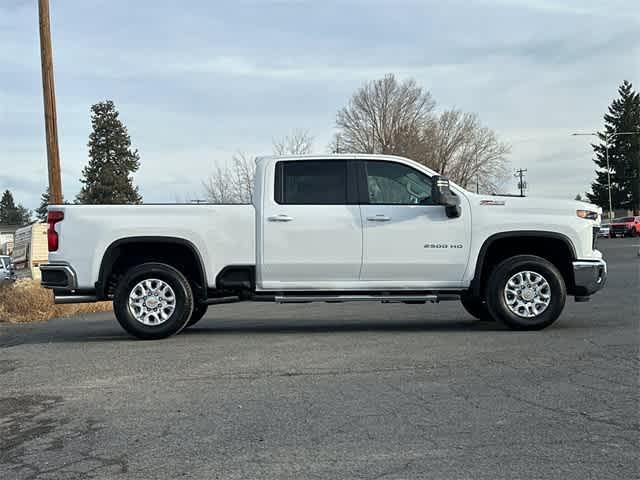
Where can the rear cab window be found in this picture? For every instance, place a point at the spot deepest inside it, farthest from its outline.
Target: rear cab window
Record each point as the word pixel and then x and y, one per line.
pixel 314 182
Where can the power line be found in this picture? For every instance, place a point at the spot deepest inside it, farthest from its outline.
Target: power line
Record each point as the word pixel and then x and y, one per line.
pixel 522 185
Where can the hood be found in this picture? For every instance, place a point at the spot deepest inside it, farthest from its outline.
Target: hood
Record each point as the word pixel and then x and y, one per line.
pixel 536 204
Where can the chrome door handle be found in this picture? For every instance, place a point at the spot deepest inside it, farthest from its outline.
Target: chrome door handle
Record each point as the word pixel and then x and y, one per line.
pixel 379 218
pixel 280 218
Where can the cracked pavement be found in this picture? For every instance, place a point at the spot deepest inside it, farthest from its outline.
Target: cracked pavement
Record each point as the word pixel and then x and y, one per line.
pixel 362 391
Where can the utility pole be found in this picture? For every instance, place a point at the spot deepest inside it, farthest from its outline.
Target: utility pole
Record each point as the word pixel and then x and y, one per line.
pixel 49 97
pixel 522 185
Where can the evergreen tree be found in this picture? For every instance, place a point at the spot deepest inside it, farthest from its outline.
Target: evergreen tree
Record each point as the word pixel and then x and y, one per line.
pixel 41 211
pixel 578 197
pixel 107 176
pixel 624 154
pixel 13 214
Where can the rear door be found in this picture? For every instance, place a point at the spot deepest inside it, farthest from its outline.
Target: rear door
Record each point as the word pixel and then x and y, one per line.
pixel 311 226
pixel 409 241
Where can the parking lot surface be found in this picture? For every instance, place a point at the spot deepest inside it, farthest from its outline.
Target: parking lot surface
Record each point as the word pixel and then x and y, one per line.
pixel 363 391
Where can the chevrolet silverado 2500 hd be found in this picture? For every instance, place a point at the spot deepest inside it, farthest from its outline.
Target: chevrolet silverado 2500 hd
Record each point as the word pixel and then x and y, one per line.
pixel 333 228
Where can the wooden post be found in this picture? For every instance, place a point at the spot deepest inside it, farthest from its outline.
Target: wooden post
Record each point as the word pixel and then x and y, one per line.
pixel 49 96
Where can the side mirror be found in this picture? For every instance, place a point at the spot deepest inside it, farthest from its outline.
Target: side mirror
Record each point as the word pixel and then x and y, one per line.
pixel 441 194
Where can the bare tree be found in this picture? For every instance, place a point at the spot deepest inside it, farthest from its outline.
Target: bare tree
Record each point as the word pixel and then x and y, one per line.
pixel 218 188
pixel 384 116
pixel 457 145
pixel 232 184
pixel 445 137
pixel 298 143
pixel 242 174
pixel 481 161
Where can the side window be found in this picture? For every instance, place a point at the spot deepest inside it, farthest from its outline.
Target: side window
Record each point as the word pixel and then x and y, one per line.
pixel 311 182
pixel 391 183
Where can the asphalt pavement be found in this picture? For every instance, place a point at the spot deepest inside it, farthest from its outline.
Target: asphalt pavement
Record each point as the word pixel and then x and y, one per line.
pixel 362 391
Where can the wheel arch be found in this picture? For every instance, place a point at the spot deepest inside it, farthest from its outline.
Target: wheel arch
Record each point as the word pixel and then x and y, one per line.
pixel 153 245
pixel 487 253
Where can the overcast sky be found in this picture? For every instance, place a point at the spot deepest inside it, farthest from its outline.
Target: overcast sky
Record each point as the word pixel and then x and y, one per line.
pixel 197 80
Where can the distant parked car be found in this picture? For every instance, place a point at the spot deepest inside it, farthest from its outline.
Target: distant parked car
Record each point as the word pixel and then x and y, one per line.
pixel 7 274
pixel 625 227
pixel 605 230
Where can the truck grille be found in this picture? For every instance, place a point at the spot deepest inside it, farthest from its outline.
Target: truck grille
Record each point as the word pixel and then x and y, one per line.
pixel 618 229
pixel 594 239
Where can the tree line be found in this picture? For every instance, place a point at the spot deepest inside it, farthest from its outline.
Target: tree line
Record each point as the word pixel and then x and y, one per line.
pixel 383 116
pixel 386 116
pixel 12 213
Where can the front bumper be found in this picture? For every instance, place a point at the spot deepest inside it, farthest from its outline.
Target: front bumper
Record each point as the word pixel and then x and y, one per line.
pixel 589 276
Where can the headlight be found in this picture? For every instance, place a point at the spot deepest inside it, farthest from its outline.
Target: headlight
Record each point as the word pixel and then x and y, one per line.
pixel 587 214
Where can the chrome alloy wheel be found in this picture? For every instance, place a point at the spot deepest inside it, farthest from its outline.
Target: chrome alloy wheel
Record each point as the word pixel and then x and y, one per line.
pixel 527 294
pixel 152 302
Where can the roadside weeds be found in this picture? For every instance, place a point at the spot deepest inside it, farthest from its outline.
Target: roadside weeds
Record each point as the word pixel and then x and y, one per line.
pixel 26 301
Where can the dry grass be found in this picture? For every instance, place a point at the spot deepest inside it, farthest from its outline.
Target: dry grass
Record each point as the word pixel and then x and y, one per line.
pixel 26 301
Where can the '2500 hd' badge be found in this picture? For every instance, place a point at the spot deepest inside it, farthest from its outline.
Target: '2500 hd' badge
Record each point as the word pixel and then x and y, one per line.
pixel 443 245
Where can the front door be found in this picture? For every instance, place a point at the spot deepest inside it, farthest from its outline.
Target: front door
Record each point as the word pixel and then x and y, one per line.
pixel 311 227
pixel 408 241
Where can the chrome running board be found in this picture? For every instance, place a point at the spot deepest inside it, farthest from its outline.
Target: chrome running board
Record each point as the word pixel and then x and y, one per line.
pixel 363 298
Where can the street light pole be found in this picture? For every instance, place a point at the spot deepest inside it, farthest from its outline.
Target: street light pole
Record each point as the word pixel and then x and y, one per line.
pixel 607 141
pixel 606 154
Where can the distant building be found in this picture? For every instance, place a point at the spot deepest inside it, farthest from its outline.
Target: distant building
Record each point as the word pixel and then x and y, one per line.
pixel 7 234
pixel 30 250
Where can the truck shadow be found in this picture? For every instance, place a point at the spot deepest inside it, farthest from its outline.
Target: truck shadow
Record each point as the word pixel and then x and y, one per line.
pixel 213 327
pixel 106 330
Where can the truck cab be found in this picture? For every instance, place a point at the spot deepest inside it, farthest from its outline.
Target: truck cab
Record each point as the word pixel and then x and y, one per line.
pixel 357 224
pixel 329 228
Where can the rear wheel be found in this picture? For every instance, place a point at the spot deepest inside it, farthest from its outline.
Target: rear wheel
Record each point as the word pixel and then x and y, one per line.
pixel 153 301
pixel 526 293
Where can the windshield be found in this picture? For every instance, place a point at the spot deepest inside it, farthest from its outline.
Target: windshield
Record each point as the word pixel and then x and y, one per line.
pixel 5 262
pixel 623 220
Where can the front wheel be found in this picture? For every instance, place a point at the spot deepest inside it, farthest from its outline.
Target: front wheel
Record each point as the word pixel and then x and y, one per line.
pixel 153 301
pixel 526 292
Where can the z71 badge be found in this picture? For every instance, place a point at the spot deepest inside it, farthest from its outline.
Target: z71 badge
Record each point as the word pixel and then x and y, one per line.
pixel 443 245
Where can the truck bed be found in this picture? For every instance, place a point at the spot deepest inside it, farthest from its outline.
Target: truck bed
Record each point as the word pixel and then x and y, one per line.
pixel 222 234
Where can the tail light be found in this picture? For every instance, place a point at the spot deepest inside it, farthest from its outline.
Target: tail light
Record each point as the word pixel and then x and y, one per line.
pixel 52 236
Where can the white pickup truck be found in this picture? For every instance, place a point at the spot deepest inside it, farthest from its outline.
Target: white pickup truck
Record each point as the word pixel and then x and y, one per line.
pixel 331 228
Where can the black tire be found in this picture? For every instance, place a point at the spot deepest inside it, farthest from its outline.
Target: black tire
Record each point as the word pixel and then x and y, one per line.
pixel 497 301
pixel 198 312
pixel 476 307
pixel 183 298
